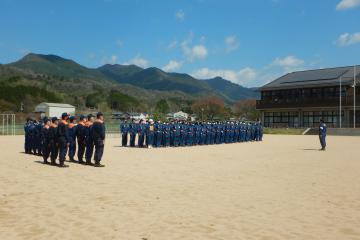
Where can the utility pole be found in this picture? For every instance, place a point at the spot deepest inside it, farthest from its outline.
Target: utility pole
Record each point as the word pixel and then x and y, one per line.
pixel 354 96
pixel 340 95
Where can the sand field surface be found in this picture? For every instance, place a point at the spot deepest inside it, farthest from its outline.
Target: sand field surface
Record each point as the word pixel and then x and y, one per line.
pixel 282 188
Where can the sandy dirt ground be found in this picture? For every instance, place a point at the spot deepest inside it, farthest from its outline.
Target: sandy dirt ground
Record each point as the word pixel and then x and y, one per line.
pixel 282 188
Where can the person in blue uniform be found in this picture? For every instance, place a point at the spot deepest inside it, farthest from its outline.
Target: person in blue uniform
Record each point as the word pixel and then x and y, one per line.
pixel 132 131
pixel 27 136
pixel 89 142
pixel 176 130
pixel 261 131
pixel 150 134
pixel 37 138
pixel 72 138
pixel 63 139
pixel 167 135
pixel 98 134
pixel 124 129
pixel 45 140
pixel 141 133
pixel 159 133
pixel 31 130
pixel 322 135
pixel 190 135
pixel 80 136
pixel 53 140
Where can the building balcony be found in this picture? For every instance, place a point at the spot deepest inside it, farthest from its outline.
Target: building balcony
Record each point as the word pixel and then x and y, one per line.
pixel 306 103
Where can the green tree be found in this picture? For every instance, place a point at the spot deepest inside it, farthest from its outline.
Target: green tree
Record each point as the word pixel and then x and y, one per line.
pixel 162 106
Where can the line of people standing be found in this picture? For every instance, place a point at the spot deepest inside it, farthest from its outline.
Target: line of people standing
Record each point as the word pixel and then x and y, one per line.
pixel 56 138
pixel 182 133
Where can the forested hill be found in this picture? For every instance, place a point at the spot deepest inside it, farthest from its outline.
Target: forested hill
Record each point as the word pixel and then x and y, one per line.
pixel 38 77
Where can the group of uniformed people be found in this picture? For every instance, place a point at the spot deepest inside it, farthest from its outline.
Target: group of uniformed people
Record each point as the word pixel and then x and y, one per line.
pixel 55 138
pixel 182 133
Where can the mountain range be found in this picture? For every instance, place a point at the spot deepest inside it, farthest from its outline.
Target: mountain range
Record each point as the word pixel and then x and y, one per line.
pixel 70 80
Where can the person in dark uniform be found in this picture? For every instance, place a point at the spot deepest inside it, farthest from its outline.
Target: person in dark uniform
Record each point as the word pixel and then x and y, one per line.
pixel 53 140
pixel 150 134
pixel 322 135
pixel 132 131
pixel 27 135
pixel 98 134
pixel 89 139
pixel 72 138
pixel 32 129
pixel 45 140
pixel 37 138
pixel 261 131
pixel 141 133
pixel 80 135
pixel 63 139
pixel 124 129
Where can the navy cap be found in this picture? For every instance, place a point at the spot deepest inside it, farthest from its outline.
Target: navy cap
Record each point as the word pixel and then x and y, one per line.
pixel 99 114
pixel 45 119
pixel 90 116
pixel 64 115
pixel 82 117
pixel 54 119
pixel 72 118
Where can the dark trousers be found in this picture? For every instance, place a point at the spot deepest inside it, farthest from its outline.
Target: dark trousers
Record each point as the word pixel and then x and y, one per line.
pixel 45 151
pixel 322 141
pixel 81 150
pixel 176 140
pixel 150 139
pixel 89 151
pixel 158 139
pixel 132 139
pixel 62 150
pixel 72 150
pixel 141 139
pixel 124 139
pixel 99 150
pixel 54 152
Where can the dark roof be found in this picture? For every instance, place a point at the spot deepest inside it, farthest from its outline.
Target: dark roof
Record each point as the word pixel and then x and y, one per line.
pixel 314 78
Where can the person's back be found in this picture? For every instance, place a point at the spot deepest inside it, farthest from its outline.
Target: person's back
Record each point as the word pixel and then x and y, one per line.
pixel 53 140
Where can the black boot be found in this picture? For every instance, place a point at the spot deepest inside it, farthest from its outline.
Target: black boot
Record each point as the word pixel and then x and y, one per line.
pixel 62 165
pixel 98 164
pixel 88 162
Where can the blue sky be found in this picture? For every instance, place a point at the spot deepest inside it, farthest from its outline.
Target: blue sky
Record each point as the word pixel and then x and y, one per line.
pixel 247 42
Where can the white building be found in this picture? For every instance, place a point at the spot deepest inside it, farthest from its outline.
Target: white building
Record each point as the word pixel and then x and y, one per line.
pixel 178 116
pixel 54 109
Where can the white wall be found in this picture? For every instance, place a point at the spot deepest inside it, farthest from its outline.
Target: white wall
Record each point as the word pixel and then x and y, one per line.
pixel 57 111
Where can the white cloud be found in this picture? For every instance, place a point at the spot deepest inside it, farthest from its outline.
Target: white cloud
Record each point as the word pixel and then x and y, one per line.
pixel 110 60
pixel 348 39
pixel 138 61
pixel 194 52
pixel 172 45
pixel 231 43
pixel 347 4
pixel 289 61
pixel 119 43
pixel 172 66
pixel 241 77
pixel 180 15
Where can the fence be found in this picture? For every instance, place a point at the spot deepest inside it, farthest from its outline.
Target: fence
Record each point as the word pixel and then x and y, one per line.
pixel 7 124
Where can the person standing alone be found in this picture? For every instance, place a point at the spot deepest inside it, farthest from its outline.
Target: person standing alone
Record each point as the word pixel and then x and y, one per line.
pixel 322 135
pixel 98 134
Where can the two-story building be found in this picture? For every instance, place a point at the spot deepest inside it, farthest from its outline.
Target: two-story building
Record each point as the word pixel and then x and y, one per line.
pixel 301 99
